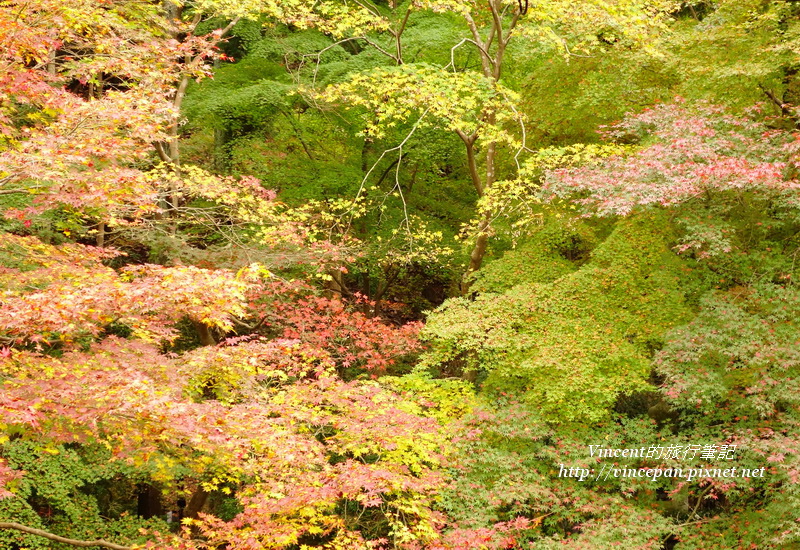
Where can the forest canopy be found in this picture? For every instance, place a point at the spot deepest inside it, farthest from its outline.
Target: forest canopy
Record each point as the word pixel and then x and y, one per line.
pixel 399 274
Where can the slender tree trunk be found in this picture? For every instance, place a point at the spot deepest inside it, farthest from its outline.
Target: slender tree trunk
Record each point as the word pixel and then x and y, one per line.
pixel 51 62
pixel 482 240
pixel 299 133
pixel 336 284
pixel 148 503
pixel 361 225
pixel 100 241
pixel 389 278
pixel 196 503
pixel 206 338
pixel 222 158
pixel 174 144
pixel 491 65
pixel 200 496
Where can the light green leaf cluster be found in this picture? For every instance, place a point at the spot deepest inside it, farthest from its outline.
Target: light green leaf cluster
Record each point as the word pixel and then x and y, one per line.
pixel 334 17
pixel 446 400
pixel 465 102
pixel 518 200
pixel 586 27
pixel 571 347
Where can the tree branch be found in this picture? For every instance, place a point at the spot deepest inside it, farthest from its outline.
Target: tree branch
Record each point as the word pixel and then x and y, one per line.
pixel 498 23
pixel 161 153
pixel 386 172
pixel 397 34
pixel 318 54
pixel 471 162
pixel 229 26
pixel 486 59
pixel 249 326
pixel 64 540
pixel 512 26
pixel 780 104
pixel 21 190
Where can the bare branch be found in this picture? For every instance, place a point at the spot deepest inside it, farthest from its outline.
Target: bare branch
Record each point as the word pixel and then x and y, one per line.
pixel 162 154
pixel 230 25
pixel 195 21
pixel 397 34
pixel 318 55
pixel 372 9
pixel 21 190
pixel 247 325
pixel 486 60
pixel 452 63
pixel 383 155
pixel 498 23
pixel 784 107
pixel 384 52
pixel 471 161
pixel 511 27
pixel 64 540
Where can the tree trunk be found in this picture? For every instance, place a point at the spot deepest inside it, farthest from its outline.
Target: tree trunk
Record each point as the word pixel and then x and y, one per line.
pixel 51 62
pixel 492 68
pixel 204 332
pixel 148 502
pixel 196 503
pixel 477 254
pixel 100 241
pixel 222 157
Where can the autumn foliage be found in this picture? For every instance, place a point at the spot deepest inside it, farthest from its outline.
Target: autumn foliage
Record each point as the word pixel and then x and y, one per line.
pixel 294 274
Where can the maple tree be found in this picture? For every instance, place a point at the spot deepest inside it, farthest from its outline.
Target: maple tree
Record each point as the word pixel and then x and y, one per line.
pixel 475 105
pixel 727 185
pixel 179 419
pixel 140 410
pixel 83 372
pixel 80 149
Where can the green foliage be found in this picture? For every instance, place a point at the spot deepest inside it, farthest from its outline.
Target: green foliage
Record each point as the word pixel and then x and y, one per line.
pixel 574 345
pixel 234 102
pixel 736 51
pixel 508 465
pixel 76 491
pixel 739 354
pixel 299 48
pixel 558 247
pixel 568 99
